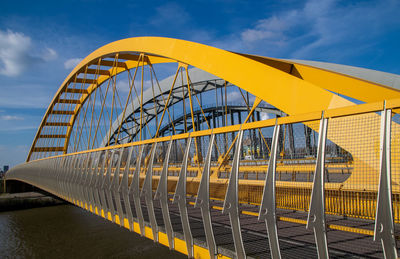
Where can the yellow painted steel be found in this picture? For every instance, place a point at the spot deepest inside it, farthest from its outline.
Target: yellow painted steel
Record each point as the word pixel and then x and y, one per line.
pixel 301 91
pixel 180 245
pixel 284 91
pixel 299 118
pixel 294 91
pixel 129 64
pixel 200 252
pixel 340 200
pixel 338 83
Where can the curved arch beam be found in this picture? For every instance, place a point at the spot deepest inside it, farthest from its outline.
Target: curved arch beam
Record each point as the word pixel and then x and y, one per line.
pixel 268 83
pixel 358 83
pixel 290 92
pixel 129 64
pixel 100 81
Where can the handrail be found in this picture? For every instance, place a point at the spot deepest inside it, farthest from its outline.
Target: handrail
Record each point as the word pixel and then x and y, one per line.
pixel 297 118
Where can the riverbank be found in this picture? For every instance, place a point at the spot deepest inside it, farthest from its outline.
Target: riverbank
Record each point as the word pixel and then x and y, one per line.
pixel 26 200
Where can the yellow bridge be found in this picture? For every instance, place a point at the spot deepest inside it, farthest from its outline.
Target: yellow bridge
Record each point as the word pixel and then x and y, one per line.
pixel 234 155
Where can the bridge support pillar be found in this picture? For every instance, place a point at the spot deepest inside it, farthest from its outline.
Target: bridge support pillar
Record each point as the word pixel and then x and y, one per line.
pixel 203 201
pixel 180 198
pixel 384 225
pixel 316 214
pixel 231 203
pixel 268 203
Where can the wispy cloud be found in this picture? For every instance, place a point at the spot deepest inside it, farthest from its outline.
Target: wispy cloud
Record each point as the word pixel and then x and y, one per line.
pixel 11 118
pixel 320 29
pixel 234 97
pixel 49 54
pixel 26 95
pixel 21 120
pixel 265 116
pixel 271 29
pixel 19 128
pixel 15 53
pixel 71 63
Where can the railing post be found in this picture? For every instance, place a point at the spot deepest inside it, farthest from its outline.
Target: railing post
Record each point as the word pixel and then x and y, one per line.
pixel 53 175
pixel 147 192
pixel 83 182
pixel 124 189
pixel 135 190
pixel 60 175
pixel 89 188
pixel 384 225
pixel 114 187
pixel 180 198
pixel 316 214
pixel 162 195
pixel 68 178
pixel 87 185
pixel 101 179
pixel 203 201
pixel 231 203
pixel 73 179
pixel 268 203
pixel 96 183
pixel 107 186
pixel 78 183
pixel 79 177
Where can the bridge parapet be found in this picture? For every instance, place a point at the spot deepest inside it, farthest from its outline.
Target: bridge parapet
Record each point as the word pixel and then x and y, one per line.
pixel 360 181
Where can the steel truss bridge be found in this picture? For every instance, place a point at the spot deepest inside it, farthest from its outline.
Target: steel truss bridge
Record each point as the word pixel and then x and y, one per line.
pixel 234 155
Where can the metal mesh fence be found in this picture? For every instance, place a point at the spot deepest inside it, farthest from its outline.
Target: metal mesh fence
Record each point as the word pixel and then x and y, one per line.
pixel 352 175
pixel 358 138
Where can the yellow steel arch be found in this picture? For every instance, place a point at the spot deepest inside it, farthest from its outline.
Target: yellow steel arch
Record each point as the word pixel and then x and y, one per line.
pixel 284 91
pixel 294 91
pixel 338 83
pixel 129 64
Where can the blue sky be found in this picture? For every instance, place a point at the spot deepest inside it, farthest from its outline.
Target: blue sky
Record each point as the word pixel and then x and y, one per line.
pixel 41 41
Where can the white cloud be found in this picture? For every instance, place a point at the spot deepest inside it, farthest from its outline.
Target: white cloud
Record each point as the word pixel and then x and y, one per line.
pixel 123 85
pixel 15 53
pixel 71 63
pixel 26 95
pixel 319 29
pixel 10 118
pixel 18 128
pixel 14 49
pixel 49 54
pixel 270 29
pixel 234 97
pixel 265 116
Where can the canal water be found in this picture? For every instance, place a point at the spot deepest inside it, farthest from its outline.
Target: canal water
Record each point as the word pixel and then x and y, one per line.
pixel 66 231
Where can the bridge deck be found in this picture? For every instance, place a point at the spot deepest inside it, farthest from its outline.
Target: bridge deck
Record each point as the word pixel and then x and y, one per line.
pixel 295 240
